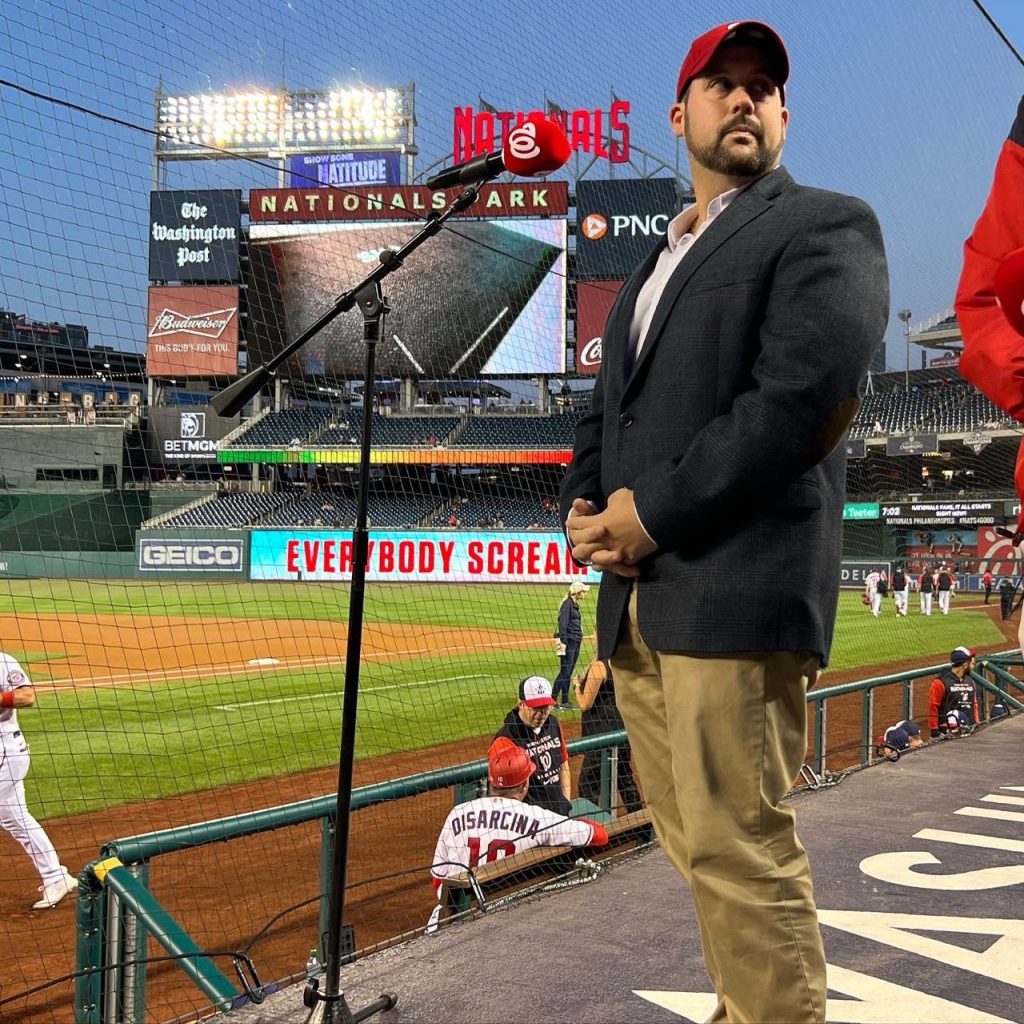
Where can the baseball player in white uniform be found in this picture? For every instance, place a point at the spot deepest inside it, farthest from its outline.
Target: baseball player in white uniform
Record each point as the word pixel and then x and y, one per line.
pixel 17 692
pixel 871 582
pixel 900 587
pixel 492 827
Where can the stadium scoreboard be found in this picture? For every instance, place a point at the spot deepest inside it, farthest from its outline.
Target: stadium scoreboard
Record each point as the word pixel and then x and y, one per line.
pixel 950 513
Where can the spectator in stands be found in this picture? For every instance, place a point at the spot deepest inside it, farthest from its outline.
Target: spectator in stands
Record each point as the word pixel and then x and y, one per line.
pixel 595 694
pixel 529 725
pixel 956 543
pixel 952 702
pixel 568 640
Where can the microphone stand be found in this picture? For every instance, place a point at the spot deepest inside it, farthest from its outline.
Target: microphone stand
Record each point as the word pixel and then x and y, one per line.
pixel 330 1004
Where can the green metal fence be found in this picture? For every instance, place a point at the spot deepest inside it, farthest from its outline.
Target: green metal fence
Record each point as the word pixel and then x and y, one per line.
pixel 117 914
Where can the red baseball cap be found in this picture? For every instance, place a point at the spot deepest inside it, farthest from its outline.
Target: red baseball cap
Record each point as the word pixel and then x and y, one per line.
pixel 703 48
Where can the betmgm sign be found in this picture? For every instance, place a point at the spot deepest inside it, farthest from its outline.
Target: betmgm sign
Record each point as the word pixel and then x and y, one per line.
pixel 188 436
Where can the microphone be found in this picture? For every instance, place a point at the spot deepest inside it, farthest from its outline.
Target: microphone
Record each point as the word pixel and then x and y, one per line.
pixel 1009 289
pixel 537 146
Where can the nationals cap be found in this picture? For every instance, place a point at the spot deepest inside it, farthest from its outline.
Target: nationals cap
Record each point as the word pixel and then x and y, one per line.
pixel 508 766
pixel 704 47
pixel 961 655
pixel 535 692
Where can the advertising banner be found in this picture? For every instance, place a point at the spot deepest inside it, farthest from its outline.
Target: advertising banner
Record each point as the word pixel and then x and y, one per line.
pixel 862 510
pixel 594 300
pixel 601 133
pixel 193 332
pixel 194 235
pixel 853 574
pixel 179 552
pixel 487 299
pixel 294 205
pixel 911 444
pixel 950 513
pixel 619 222
pixel 318 170
pixel 179 435
pixel 421 556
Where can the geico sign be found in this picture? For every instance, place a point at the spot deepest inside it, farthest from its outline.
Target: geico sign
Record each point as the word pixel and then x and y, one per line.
pixel 219 556
pixel 596 226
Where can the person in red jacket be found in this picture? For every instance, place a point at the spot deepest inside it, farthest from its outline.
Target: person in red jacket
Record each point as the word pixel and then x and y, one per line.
pixel 952 701
pixel 993 354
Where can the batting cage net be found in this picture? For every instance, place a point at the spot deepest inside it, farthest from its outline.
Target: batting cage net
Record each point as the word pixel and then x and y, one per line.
pixel 186 190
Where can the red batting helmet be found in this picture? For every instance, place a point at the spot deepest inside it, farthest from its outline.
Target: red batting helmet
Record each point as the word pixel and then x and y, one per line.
pixel 509 766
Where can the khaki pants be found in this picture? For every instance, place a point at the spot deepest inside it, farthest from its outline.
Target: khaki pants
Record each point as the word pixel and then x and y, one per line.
pixel 718 742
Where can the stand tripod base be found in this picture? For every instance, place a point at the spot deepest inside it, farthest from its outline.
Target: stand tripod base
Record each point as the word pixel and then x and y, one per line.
pixel 336 1011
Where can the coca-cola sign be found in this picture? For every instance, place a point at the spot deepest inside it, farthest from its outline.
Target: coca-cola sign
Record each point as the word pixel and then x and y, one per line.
pixel 193 332
pixel 594 301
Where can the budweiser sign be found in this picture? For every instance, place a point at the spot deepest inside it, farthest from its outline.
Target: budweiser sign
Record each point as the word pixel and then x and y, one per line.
pixel 193 331
pixel 202 325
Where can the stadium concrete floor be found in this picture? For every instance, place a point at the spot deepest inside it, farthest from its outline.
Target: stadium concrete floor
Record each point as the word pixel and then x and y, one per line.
pixel 930 928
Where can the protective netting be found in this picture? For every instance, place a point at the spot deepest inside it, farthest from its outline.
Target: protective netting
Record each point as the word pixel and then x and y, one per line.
pixel 185 190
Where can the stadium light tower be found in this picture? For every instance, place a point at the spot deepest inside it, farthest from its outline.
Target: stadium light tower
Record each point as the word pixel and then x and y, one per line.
pixel 905 315
pixel 278 124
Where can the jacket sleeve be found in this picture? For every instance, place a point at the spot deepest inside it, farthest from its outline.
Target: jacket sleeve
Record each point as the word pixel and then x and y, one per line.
pixel 563 620
pixel 824 318
pixel 935 695
pixel 993 355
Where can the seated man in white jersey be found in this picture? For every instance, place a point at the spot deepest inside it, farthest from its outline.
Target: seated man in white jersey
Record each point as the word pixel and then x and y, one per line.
pixel 498 825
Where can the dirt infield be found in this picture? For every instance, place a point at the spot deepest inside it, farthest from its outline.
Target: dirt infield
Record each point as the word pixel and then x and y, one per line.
pixel 224 895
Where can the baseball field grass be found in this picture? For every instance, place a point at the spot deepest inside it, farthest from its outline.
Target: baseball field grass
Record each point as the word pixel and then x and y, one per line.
pixel 101 737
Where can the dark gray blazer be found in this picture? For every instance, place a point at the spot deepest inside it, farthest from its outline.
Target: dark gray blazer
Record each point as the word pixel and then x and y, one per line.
pixel 726 428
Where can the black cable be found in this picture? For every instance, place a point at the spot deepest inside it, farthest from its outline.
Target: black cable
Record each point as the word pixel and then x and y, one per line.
pixel 999 32
pixel 238 957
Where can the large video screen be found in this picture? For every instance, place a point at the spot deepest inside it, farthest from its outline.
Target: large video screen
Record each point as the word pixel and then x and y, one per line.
pixel 482 298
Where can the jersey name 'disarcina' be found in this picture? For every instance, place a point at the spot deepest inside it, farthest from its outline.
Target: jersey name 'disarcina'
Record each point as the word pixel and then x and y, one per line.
pixel 489 828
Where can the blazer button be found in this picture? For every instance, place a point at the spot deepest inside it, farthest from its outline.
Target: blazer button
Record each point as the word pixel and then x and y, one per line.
pixel 626 419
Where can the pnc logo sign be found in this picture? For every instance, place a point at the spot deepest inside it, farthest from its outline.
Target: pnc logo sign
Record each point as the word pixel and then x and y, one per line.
pixel 594 226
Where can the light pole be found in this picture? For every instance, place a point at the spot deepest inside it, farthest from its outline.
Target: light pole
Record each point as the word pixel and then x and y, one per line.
pixel 905 315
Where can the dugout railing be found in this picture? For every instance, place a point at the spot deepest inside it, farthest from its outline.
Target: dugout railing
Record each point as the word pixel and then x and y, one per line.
pixel 117 915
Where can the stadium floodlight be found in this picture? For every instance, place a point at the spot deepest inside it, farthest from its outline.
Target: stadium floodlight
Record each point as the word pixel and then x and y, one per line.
pixel 212 125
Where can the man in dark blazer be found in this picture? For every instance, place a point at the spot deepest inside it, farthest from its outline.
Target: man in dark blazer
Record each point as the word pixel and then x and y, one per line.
pixel 732 364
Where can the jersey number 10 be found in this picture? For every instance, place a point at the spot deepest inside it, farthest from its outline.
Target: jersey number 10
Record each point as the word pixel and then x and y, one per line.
pixel 495 848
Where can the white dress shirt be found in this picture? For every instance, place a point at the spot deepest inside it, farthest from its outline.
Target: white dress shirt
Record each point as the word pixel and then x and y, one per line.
pixel 680 240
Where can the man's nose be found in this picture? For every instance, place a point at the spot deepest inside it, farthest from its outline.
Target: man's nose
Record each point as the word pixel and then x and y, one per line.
pixel 742 102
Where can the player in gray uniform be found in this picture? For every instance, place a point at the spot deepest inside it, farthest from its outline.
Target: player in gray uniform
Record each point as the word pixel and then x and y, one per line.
pixel 17 692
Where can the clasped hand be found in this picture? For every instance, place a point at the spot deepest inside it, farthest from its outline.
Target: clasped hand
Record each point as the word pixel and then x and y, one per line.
pixel 612 540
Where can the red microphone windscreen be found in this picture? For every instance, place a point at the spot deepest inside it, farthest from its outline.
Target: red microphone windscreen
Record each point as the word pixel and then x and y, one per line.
pixel 537 146
pixel 1009 288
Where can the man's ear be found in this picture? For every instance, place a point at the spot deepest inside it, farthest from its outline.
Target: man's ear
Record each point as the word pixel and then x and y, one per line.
pixel 677 118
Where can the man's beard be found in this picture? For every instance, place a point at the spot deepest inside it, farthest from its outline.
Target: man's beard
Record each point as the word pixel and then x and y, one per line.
pixel 744 163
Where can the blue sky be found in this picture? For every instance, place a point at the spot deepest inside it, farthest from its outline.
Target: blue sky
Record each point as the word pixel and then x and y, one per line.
pixel 902 102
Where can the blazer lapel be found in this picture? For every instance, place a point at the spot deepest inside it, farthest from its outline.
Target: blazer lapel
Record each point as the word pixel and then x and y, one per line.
pixel 740 212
